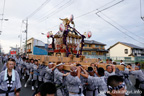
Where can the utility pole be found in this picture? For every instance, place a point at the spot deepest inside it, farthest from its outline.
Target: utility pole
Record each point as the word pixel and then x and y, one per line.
pixel 26 33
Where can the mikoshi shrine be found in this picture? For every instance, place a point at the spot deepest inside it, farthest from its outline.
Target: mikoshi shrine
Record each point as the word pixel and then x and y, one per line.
pixel 68 44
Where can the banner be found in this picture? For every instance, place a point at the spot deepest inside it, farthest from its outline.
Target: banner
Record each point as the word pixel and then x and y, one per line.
pixel 12 52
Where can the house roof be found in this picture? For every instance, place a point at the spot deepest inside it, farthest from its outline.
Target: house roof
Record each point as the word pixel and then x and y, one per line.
pixel 127 44
pixel 93 42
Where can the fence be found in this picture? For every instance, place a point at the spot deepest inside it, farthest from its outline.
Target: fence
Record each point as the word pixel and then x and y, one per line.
pixel 117 59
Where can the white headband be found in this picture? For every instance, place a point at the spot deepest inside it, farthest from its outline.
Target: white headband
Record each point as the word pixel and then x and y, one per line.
pixel 59 64
pixel 51 63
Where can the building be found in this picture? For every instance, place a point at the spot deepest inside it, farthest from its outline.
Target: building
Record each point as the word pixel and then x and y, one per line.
pixel 122 49
pixel 36 47
pixel 92 47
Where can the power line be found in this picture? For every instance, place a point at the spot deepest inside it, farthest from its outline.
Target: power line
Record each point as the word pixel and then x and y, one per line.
pixel 122 26
pixel 98 8
pixel 110 6
pixel 51 9
pixel 95 9
pixel 53 12
pixel 39 8
pixel 119 29
pixel 64 7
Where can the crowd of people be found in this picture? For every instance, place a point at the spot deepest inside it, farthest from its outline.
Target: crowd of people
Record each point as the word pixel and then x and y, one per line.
pixel 52 80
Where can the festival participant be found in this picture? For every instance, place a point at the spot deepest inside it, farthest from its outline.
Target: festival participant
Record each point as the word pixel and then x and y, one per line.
pixel 116 86
pixel 140 76
pixel 110 70
pixel 96 85
pixel 107 61
pixel 121 62
pixel 48 77
pixel 110 61
pixel 58 79
pixel 83 79
pixel 22 65
pixel 41 71
pixel 47 89
pixel 126 75
pixel 29 71
pixel 137 66
pixel 74 85
pixel 4 66
pixel 35 74
pixel 9 81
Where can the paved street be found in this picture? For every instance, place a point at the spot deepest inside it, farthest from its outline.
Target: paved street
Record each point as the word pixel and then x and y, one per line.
pixel 26 91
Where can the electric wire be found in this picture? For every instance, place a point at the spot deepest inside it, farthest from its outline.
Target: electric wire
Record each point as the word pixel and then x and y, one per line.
pixel 121 26
pixel 39 8
pixel 53 12
pixel 119 29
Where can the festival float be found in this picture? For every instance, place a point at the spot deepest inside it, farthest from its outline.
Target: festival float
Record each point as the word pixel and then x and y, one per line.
pixel 68 44
pixel 68 41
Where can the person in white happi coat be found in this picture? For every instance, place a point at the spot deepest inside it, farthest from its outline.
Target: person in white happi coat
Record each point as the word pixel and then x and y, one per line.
pixel 96 85
pixel 48 76
pixel 30 67
pixel 74 84
pixel 35 71
pixel 110 70
pixel 58 79
pixel 9 81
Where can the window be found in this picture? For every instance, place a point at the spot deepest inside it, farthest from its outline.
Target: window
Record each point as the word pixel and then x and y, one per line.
pixel 139 52
pixel 97 46
pixel 85 45
pixel 93 53
pixel 126 51
pixel 89 45
pixel 101 46
pixel 85 53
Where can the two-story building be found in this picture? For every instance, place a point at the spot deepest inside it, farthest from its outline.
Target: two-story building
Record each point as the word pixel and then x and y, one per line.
pixel 93 47
pixel 122 49
pixel 36 47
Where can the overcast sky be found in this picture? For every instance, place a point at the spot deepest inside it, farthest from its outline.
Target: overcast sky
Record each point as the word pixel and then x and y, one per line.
pixel 126 14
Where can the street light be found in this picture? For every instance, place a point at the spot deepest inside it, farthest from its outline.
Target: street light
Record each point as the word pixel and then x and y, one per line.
pixel 43 34
pixel 1 23
pixel 4 19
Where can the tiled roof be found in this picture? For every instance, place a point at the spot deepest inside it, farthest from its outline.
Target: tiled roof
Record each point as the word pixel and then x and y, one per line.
pixel 131 45
pixel 93 42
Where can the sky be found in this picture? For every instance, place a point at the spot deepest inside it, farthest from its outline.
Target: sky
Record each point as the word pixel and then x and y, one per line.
pixel 126 14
